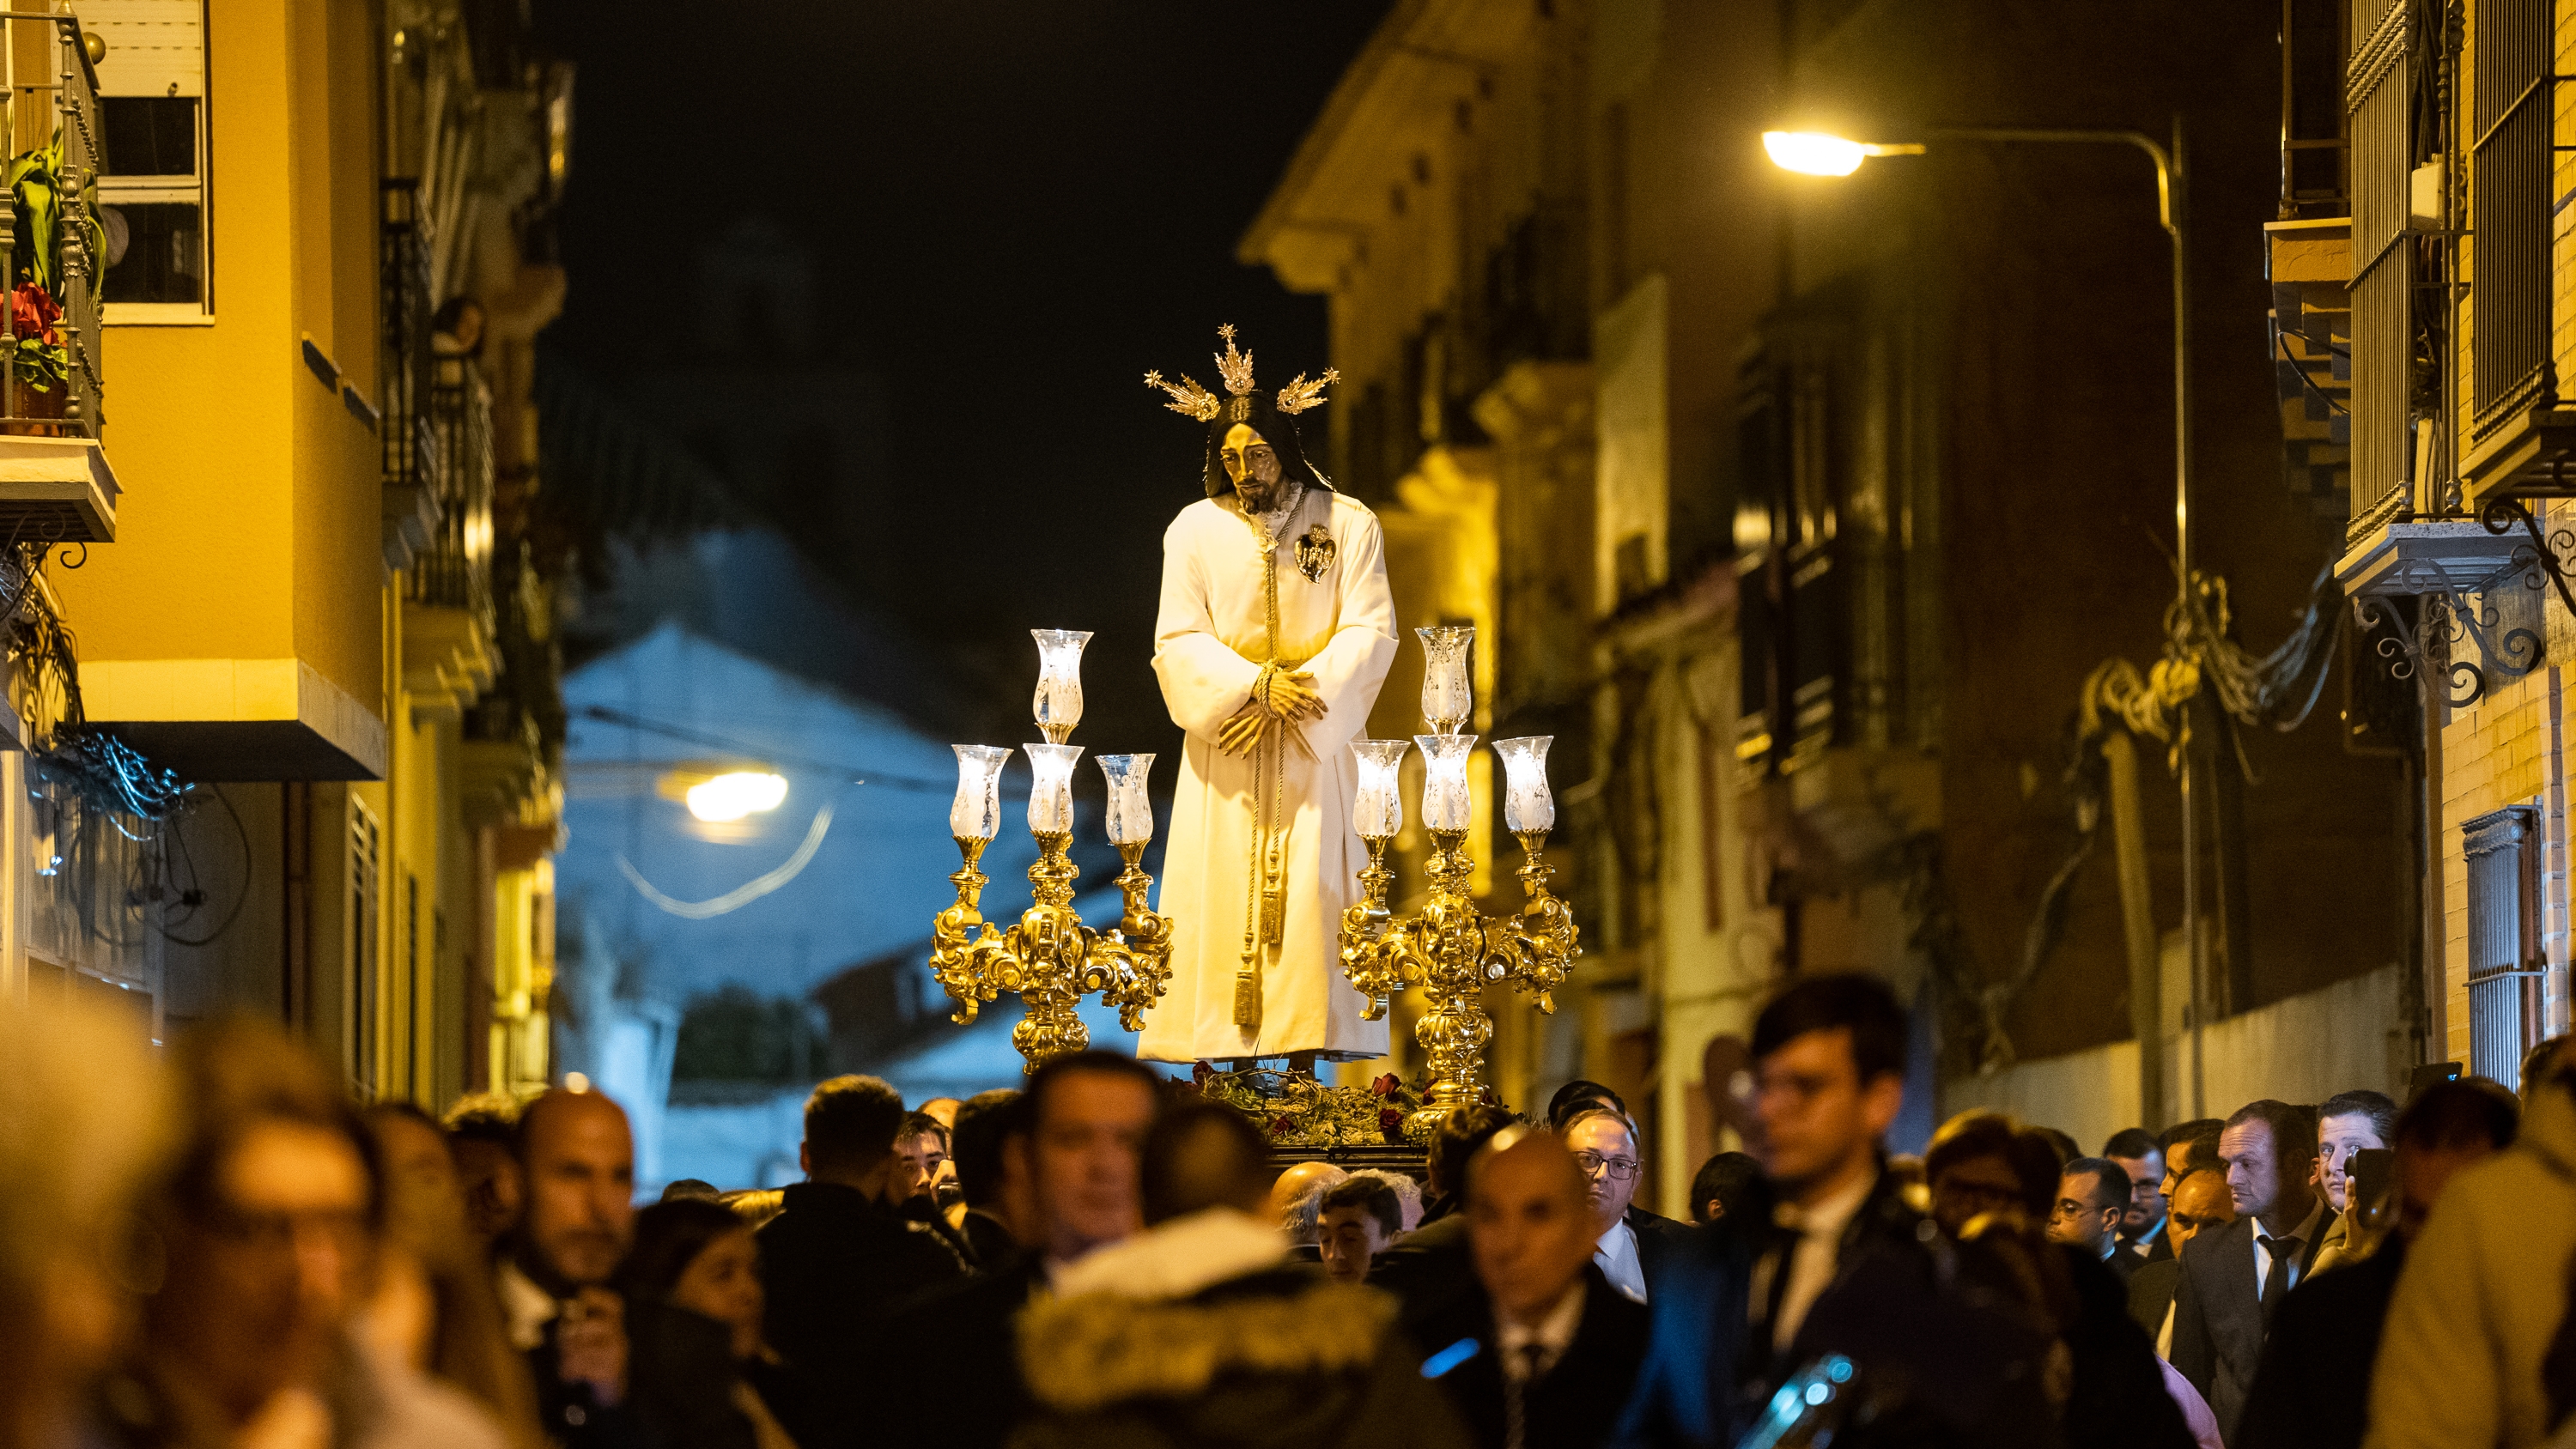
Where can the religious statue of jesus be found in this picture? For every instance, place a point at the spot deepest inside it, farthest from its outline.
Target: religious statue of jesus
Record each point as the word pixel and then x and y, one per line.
pixel 1274 634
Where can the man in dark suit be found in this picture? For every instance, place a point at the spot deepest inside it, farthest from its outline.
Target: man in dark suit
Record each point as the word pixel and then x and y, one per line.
pixel 1634 1247
pixel 1429 1270
pixel 1079 1148
pixel 2234 1279
pixel 2092 1199
pixel 2200 1203
pixel 1543 1355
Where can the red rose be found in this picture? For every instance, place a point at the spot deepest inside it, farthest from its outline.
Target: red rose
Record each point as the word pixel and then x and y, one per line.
pixel 1389 1119
pixel 33 313
pixel 1282 1126
pixel 1199 1073
pixel 1386 1086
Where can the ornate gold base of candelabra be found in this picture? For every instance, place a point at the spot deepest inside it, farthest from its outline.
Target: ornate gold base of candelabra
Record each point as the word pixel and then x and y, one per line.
pixel 1051 959
pixel 1451 950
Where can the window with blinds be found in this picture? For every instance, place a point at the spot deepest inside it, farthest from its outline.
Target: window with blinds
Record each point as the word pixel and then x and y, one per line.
pixel 2505 960
pixel 2509 209
pixel 2379 90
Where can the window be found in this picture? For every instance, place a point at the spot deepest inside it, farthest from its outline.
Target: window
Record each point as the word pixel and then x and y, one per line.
pixel 366 904
pixel 2505 961
pixel 153 199
pixel 2383 153
pixel 2509 158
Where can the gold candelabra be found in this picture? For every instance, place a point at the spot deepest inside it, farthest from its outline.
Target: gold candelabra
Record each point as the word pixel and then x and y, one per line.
pixel 1448 947
pixel 1051 959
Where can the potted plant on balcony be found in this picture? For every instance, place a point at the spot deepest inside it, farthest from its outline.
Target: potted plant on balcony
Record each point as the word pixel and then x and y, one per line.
pixel 38 360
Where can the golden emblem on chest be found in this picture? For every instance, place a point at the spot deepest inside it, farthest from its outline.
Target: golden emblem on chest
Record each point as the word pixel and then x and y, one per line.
pixel 1314 553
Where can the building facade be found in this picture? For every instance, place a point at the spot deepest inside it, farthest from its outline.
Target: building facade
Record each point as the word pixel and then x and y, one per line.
pixel 2441 266
pixel 320 610
pixel 1828 525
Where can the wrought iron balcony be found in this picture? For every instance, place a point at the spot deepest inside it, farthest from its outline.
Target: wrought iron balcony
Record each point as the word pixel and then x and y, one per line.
pixel 55 485
pixel 411 456
pixel 455 570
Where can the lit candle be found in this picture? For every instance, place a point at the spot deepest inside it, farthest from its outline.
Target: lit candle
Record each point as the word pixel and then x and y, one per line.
pixel 1446 804
pixel 1131 811
pixel 1378 812
pixel 1051 793
pixel 976 814
pixel 1059 698
pixel 1448 695
pixel 1527 803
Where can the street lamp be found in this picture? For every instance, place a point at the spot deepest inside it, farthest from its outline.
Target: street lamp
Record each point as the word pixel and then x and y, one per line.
pixel 1816 153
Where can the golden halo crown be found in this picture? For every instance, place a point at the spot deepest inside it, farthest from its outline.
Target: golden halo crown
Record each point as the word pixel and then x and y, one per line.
pixel 1235 367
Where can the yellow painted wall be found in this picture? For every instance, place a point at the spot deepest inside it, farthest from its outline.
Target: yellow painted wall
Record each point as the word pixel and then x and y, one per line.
pixel 250 524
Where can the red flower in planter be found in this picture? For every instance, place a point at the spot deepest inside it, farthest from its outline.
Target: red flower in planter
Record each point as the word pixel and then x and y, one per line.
pixel 33 313
pixel 1281 1126
pixel 1389 1120
pixel 1386 1086
pixel 1199 1074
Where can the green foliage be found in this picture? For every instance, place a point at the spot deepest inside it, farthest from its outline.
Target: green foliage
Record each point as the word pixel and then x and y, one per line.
pixel 737 1035
pixel 35 180
pixel 40 364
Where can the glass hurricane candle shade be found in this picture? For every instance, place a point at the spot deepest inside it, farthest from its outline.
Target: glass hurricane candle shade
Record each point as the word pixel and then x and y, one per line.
pixel 1527 803
pixel 1051 793
pixel 1446 804
pixel 1059 697
pixel 1448 694
pixel 976 814
pixel 1378 812
pixel 1131 812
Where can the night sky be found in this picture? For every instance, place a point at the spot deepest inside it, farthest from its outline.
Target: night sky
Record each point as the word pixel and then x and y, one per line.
pixel 1021 205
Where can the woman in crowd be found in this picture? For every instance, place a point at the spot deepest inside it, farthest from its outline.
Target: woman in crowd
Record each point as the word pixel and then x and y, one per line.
pixel 81 1123
pixel 433 1309
pixel 702 1375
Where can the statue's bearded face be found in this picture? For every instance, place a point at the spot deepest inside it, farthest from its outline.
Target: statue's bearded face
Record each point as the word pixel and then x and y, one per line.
pixel 1253 465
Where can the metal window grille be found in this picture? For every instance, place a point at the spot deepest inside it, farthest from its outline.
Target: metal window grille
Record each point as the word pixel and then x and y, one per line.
pixel 2505 960
pixel 365 905
pixel 410 443
pixel 2378 90
pixel 2509 208
pixel 455 572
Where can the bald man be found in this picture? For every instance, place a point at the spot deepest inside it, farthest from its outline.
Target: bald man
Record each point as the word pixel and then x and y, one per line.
pixel 577 1159
pixel 1546 1353
pixel 1297 1197
pixel 2200 1201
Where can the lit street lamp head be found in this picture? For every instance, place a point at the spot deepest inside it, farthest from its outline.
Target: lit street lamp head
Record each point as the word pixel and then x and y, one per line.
pixel 1814 153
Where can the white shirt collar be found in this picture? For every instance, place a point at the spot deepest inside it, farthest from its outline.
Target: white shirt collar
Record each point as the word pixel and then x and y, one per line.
pixel 1616 1253
pixel 1827 1218
pixel 526 1309
pixel 1551 1335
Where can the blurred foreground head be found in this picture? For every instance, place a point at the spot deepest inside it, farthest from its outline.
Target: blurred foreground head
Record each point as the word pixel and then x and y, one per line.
pixel 82 1124
pixel 267 1223
pixel 1829 1076
pixel 1529 1219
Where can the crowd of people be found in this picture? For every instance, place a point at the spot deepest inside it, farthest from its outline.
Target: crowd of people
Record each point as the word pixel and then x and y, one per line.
pixel 217 1246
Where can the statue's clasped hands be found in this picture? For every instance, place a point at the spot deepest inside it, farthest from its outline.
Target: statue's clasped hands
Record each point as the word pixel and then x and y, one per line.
pixel 1280 699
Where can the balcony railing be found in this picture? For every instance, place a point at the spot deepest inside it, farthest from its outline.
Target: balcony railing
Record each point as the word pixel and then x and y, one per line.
pixel 67 270
pixel 455 571
pixel 410 441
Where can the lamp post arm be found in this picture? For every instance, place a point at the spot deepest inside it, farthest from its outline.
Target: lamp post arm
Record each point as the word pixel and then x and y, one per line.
pixel 2168 211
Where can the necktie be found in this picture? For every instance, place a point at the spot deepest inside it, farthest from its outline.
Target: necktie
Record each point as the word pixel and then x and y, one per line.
pixel 1518 1377
pixel 2276 1278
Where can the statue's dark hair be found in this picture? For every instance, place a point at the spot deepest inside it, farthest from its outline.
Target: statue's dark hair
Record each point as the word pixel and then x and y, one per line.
pixel 1276 428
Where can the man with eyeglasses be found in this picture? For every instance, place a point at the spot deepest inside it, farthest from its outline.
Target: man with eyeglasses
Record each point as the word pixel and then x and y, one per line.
pixel 1633 1246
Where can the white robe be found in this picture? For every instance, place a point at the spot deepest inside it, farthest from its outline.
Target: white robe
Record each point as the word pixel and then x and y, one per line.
pixel 1210 639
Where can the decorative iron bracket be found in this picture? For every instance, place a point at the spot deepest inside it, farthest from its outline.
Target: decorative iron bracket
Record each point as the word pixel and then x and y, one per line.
pixel 2447 618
